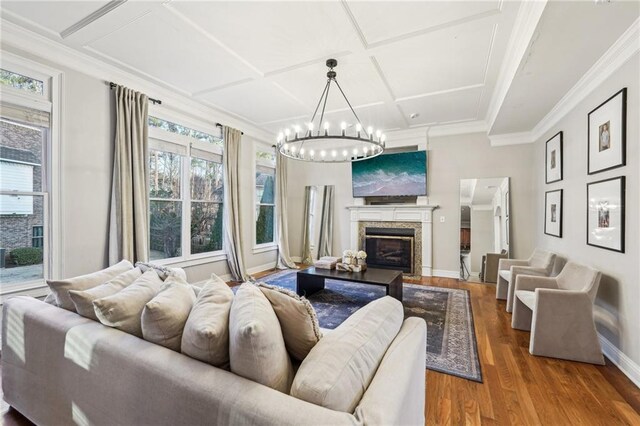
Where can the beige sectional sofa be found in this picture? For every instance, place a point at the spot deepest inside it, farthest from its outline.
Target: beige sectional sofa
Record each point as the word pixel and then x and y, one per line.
pixel 59 368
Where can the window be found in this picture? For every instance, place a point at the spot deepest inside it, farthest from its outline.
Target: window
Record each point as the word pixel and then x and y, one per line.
pixel 265 197
pixel 23 201
pixel 21 82
pixel 186 192
pixel 37 236
pixel 168 126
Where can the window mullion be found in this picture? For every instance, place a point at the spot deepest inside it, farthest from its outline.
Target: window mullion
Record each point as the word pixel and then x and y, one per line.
pixel 186 205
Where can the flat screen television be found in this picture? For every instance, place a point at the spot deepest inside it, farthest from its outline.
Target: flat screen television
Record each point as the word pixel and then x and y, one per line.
pixel 391 175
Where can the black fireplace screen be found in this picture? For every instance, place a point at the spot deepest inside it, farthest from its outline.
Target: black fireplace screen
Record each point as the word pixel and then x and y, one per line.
pixel 390 252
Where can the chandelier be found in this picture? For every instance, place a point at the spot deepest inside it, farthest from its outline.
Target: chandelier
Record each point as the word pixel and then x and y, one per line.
pixel 318 144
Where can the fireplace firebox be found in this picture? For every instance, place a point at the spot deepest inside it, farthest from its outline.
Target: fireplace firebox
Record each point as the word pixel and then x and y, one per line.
pixel 390 248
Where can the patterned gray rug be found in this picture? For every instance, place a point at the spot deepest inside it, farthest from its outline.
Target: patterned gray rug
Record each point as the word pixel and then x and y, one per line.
pixel 451 339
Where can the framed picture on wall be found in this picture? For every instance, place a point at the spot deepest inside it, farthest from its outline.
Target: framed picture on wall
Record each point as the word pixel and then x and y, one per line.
pixel 553 159
pixel 553 213
pixel 607 134
pixel 605 214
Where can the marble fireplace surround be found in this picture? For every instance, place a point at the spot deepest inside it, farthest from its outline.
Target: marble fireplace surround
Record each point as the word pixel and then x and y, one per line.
pixel 412 216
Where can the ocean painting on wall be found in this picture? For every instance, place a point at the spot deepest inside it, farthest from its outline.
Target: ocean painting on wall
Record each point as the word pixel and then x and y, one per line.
pixel 403 173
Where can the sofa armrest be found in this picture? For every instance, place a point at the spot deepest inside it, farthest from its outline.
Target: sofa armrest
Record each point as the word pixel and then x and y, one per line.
pixel 396 394
pixel 506 264
pixel 532 282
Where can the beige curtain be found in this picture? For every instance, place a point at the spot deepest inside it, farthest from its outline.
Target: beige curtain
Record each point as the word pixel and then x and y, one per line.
pixel 325 243
pixel 129 215
pixel 232 240
pixel 282 228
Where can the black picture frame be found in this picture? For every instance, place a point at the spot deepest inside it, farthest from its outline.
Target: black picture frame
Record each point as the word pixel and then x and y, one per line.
pixel 623 134
pixel 622 194
pixel 547 159
pixel 558 217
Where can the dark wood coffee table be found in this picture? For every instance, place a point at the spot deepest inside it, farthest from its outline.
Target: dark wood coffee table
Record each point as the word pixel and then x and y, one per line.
pixel 312 280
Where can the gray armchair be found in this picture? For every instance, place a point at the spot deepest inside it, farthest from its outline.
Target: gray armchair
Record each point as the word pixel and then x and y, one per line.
pixel 489 268
pixel 559 313
pixel 539 264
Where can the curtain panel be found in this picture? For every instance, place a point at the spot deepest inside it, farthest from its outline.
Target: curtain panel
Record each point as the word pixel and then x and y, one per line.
pixel 282 226
pixel 325 243
pixel 129 211
pixel 232 240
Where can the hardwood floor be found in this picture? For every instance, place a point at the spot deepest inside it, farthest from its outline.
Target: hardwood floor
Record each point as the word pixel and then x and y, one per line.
pixel 518 388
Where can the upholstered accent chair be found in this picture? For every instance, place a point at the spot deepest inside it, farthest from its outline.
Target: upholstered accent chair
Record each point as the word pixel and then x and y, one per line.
pixel 539 264
pixel 489 269
pixel 559 313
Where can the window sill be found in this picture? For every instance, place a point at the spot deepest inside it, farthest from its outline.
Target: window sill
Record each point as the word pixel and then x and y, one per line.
pixel 263 248
pixel 180 262
pixel 34 288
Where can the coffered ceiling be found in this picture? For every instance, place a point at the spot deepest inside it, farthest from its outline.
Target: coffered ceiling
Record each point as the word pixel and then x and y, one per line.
pixel 263 62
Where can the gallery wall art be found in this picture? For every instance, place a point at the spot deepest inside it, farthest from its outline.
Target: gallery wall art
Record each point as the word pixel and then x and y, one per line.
pixel 606 214
pixel 607 134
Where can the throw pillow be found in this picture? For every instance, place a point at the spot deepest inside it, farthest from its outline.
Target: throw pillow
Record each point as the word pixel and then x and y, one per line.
pixel 83 300
pixel 206 333
pixel 162 271
pixel 298 320
pixel 124 309
pixel 339 369
pixel 256 347
pixel 60 288
pixel 164 317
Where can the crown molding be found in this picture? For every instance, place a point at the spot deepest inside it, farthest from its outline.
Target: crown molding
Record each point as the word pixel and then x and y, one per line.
pixel 615 57
pixel 17 39
pixel 524 28
pixel 429 131
pixel 511 139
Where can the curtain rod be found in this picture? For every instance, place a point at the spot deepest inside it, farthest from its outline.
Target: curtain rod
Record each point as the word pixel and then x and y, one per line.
pixel 222 125
pixel 153 101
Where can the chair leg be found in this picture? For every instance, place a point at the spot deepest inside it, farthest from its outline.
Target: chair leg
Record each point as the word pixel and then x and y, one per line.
pixel 501 288
pixel 522 315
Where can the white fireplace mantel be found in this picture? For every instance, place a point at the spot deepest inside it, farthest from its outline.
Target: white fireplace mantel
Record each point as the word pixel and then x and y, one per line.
pixel 398 213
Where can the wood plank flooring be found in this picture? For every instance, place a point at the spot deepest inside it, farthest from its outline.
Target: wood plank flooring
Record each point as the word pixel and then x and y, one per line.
pixel 518 388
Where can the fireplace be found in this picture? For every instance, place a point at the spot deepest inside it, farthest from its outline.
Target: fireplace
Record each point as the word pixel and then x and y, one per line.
pixel 390 248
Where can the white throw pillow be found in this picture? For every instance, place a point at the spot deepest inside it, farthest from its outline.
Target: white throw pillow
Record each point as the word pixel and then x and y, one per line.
pixel 83 300
pixel 60 288
pixel 123 310
pixel 164 316
pixel 206 333
pixel 256 347
pixel 298 320
pixel 339 369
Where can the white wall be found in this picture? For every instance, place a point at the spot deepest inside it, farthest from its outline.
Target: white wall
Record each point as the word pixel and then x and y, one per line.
pixel 450 158
pixel 87 156
pixel 617 315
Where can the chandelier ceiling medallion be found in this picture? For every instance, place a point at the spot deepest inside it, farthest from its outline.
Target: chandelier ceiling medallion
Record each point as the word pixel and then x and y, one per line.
pixel 345 145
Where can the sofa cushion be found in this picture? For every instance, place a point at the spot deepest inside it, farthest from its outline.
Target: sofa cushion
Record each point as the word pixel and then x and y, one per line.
pixel 83 300
pixel 256 346
pixel 164 317
pixel 298 320
pixel 206 333
pixel 339 369
pixel 123 310
pixel 506 275
pixel 527 297
pixel 60 288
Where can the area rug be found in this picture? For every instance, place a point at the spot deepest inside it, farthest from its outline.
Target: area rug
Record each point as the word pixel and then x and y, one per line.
pixel 451 339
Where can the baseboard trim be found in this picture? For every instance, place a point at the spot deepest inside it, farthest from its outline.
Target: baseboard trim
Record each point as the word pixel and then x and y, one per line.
pixel 446 274
pixel 296 259
pixel 625 364
pixel 261 268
